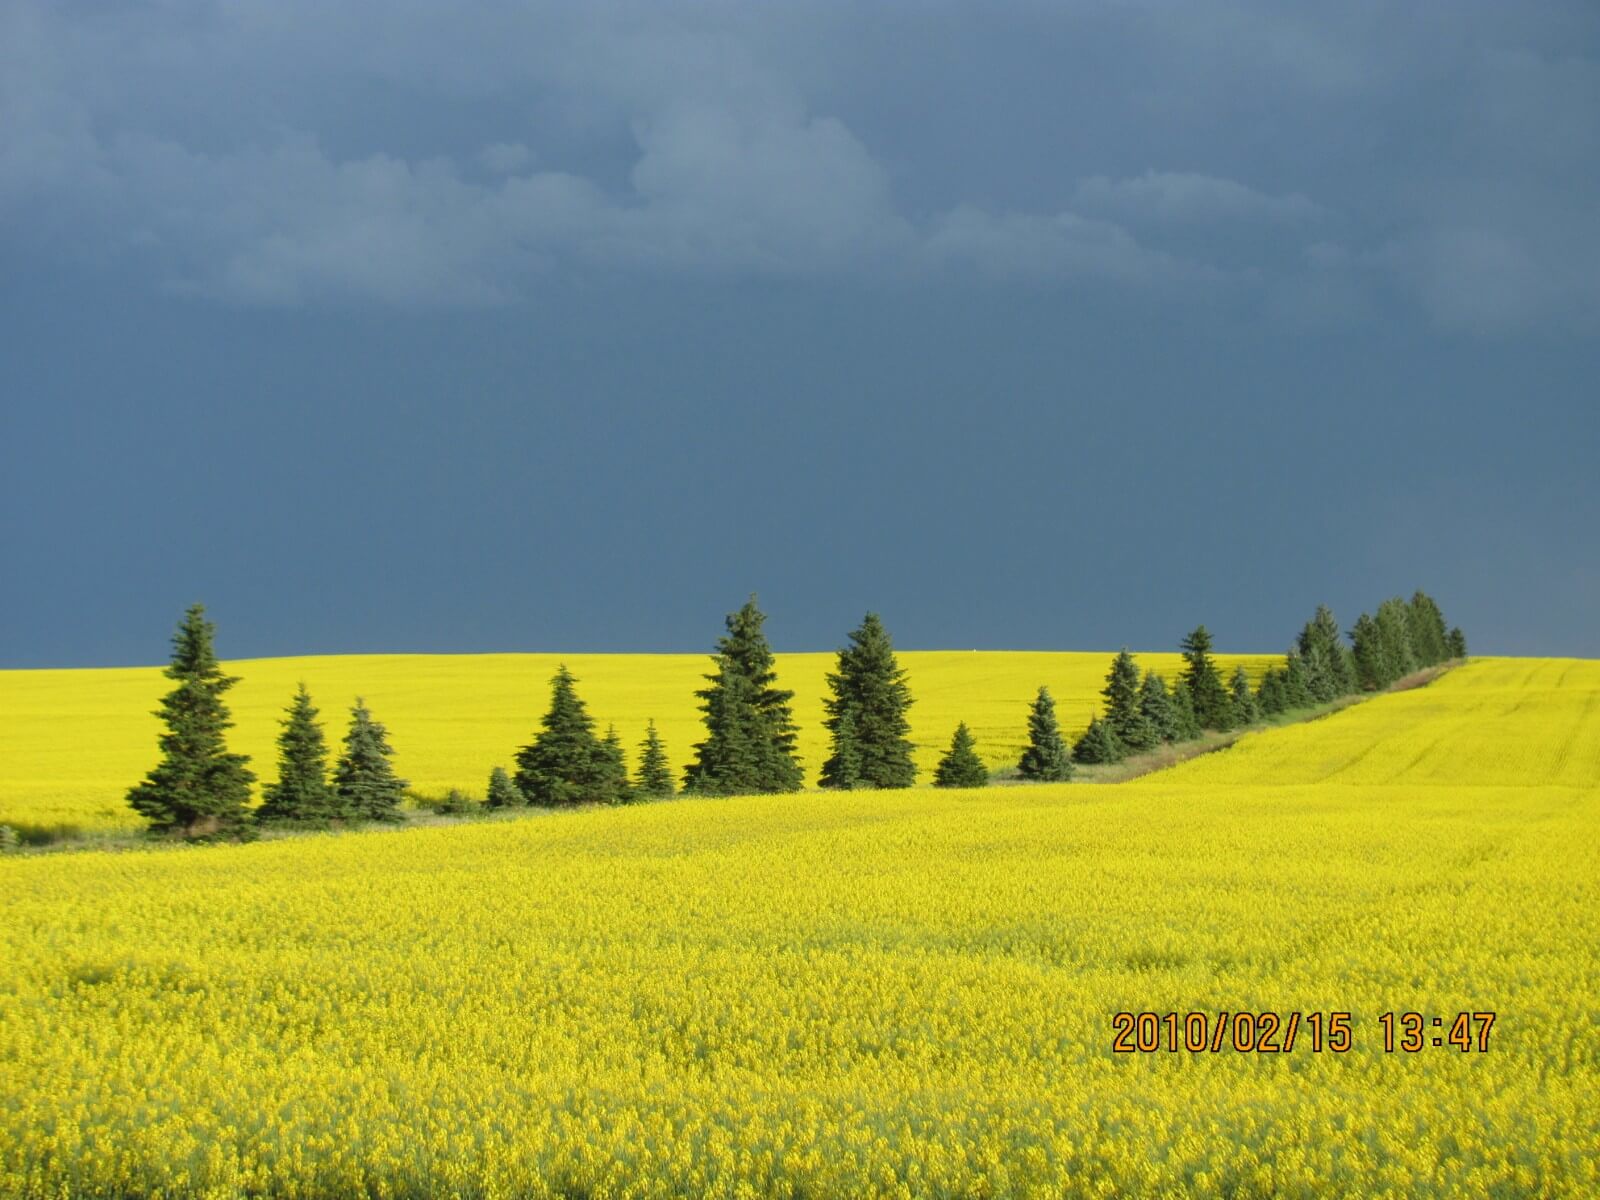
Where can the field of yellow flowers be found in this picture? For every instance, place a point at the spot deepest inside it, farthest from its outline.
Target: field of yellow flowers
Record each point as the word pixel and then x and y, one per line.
pixel 75 741
pixel 838 995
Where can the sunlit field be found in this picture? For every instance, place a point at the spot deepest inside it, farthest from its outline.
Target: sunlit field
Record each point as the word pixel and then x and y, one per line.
pixel 826 995
pixel 75 741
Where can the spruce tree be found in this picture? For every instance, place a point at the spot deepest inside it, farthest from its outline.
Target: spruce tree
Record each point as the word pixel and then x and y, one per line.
pixel 1372 664
pixel 1327 662
pixel 655 775
pixel 1296 692
pixel 566 764
pixel 1429 637
pixel 1046 759
pixel 367 787
pixel 1098 744
pixel 616 767
pixel 842 771
pixel 961 767
pixel 502 792
pixel 750 730
pixel 1213 708
pixel 729 761
pixel 198 788
pixel 1270 699
pixel 1184 721
pixel 1123 711
pixel 1457 643
pixel 1155 706
pixel 1394 636
pixel 301 793
pixel 1245 711
pixel 869 689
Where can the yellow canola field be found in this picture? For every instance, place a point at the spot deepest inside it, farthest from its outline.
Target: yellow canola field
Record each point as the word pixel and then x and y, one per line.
pixel 879 994
pixel 73 742
pixel 1518 722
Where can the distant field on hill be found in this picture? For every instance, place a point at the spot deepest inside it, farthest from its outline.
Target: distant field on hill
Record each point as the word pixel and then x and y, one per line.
pixel 898 993
pixel 74 741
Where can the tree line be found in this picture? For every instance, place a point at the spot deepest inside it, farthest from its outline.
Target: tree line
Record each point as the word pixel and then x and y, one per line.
pixel 199 788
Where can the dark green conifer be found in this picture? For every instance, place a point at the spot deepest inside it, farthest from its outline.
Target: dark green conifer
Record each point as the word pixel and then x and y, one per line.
pixel 1394 636
pixel 616 767
pixel 566 764
pixel 961 767
pixel 1155 705
pixel 1046 759
pixel 1371 662
pixel 871 689
pixel 1270 699
pixel 1123 711
pixel 365 782
pixel 1098 744
pixel 1296 692
pixel 1213 708
pixel 301 794
pixel 750 730
pixel 842 771
pixel 655 775
pixel 1430 639
pixel 1245 711
pixel 198 788
pixel 1323 654
pixel 1184 720
pixel 1457 643
pixel 502 792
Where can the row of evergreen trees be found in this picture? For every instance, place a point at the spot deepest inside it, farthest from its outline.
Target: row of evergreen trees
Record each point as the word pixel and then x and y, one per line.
pixel 201 788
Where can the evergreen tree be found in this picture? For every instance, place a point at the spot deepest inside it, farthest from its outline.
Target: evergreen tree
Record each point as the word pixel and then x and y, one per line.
pixel 1270 699
pixel 566 764
pixel 729 760
pixel 1327 662
pixel 1155 705
pixel 1123 711
pixel 367 787
pixel 1394 635
pixel 502 792
pixel 655 775
pixel 842 771
pixel 1372 663
pixel 1429 637
pixel 198 787
pixel 869 689
pixel 750 730
pixel 301 793
pixel 1296 692
pixel 1457 643
pixel 1046 759
pixel 1184 721
pixel 1245 711
pixel 1098 744
pixel 1213 709
pixel 616 767
pixel 961 767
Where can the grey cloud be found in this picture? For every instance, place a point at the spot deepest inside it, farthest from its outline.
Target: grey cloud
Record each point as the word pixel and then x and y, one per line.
pixel 1168 196
pixel 423 154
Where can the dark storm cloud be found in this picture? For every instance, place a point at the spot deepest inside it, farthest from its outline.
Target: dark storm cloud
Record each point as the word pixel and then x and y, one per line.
pixel 418 154
pixel 495 325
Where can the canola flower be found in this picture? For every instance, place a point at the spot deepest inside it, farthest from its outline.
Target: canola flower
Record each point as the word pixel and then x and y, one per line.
pixel 76 740
pixel 863 994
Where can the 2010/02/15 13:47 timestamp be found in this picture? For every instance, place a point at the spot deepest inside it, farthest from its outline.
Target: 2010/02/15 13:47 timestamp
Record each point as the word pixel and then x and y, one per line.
pixel 1278 1033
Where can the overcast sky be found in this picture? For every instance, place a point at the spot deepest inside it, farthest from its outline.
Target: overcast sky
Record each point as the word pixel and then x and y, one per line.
pixel 521 326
